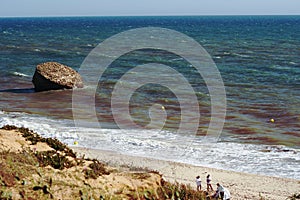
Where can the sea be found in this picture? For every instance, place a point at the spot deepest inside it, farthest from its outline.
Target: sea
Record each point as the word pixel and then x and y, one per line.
pixel 258 58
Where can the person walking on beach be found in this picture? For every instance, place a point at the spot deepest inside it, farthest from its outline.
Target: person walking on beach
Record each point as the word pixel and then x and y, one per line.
pixel 198 183
pixel 208 183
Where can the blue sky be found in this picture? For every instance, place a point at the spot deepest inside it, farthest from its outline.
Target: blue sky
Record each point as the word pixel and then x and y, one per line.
pixel 147 7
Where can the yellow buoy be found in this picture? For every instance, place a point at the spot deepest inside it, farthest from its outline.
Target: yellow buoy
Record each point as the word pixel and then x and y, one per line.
pixel 272 120
pixel 75 143
pixel 163 108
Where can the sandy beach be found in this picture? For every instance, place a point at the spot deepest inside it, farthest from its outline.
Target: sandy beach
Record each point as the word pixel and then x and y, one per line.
pixel 241 185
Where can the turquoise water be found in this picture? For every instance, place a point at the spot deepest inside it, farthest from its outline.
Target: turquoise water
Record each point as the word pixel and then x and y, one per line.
pixel 257 56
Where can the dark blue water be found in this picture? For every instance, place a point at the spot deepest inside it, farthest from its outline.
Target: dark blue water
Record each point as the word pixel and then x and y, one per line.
pixel 258 58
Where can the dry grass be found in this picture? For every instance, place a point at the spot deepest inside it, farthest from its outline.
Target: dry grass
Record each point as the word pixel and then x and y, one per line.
pixel 59 174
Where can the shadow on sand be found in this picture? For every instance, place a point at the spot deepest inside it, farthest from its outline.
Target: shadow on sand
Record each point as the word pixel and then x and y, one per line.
pixel 19 91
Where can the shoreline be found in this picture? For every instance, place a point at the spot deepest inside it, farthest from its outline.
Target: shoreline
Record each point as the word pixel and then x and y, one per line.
pixel 262 159
pixel 241 185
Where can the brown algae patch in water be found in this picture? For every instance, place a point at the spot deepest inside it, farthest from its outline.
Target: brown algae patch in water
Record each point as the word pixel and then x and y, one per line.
pixel 292 134
pixel 243 131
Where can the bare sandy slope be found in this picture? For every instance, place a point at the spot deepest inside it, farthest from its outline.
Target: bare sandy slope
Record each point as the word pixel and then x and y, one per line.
pixel 241 185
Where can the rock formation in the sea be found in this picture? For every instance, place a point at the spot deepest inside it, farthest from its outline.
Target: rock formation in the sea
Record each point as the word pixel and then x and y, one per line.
pixel 55 76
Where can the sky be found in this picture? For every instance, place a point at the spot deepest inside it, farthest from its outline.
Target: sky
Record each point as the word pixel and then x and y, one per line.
pixel 19 8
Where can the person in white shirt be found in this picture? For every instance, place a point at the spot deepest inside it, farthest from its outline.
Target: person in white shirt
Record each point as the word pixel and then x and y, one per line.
pixel 226 194
pixel 198 183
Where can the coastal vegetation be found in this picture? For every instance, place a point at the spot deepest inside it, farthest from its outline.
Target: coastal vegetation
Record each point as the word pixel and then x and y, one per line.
pixel 45 168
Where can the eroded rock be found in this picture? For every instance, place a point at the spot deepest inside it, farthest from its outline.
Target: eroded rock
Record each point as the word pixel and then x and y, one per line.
pixel 55 76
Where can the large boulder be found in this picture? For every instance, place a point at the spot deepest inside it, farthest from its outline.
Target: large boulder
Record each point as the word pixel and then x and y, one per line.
pixel 55 76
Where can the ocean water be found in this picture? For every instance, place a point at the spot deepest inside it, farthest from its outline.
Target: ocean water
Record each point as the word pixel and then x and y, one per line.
pixel 258 58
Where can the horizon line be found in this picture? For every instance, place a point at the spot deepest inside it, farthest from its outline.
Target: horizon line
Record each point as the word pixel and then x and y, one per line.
pixel 171 15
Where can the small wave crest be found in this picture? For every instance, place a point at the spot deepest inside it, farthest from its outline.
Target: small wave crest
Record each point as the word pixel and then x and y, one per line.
pixel 20 74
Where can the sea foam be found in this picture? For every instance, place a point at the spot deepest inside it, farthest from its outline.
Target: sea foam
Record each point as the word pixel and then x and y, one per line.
pixel 259 159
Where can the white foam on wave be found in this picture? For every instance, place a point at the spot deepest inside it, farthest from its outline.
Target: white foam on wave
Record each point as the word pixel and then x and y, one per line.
pixel 260 159
pixel 20 74
pixel 217 57
pixel 293 63
pixel 46 127
pixel 241 55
